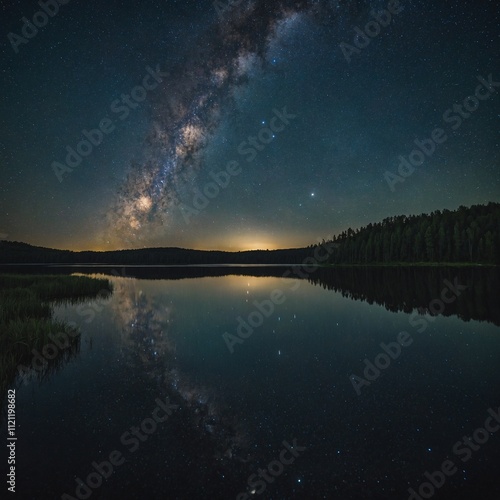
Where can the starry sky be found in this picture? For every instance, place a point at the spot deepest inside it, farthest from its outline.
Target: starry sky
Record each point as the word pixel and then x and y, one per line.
pixel 298 119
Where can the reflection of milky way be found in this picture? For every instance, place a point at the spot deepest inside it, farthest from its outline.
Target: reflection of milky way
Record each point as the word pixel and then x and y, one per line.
pixel 144 326
pixel 190 106
pixel 147 346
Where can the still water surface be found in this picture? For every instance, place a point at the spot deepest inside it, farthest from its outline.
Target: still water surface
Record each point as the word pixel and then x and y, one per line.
pixel 289 379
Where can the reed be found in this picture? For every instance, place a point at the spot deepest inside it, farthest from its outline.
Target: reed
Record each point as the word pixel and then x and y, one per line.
pixel 26 318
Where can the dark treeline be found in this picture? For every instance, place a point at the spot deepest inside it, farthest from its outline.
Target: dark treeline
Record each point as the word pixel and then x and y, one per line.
pixel 466 235
pixel 22 253
pixel 463 235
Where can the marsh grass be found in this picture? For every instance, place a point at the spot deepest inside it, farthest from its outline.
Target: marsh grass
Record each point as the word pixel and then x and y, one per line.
pixel 26 319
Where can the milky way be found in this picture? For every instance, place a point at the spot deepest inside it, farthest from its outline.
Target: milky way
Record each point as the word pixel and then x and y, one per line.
pixel 225 76
pixel 193 101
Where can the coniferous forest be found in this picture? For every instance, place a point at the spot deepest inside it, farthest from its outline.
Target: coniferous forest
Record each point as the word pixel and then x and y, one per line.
pixel 464 235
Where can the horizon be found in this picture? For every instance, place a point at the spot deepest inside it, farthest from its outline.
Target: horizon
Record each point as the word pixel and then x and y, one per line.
pixel 245 249
pixel 195 127
pixel 250 232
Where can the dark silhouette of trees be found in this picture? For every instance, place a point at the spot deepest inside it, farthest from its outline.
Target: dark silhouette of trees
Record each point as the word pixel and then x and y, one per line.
pixel 464 235
pixel 20 253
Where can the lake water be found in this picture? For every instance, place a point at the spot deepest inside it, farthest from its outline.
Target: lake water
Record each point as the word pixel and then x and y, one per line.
pixel 235 403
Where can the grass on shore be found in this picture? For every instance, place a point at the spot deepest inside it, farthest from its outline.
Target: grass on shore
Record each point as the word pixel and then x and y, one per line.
pixel 26 321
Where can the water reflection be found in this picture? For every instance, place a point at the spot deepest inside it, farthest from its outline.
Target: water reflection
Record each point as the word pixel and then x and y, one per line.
pixel 144 325
pixel 396 288
pixel 38 372
pixel 414 288
pixel 162 336
pixel 145 321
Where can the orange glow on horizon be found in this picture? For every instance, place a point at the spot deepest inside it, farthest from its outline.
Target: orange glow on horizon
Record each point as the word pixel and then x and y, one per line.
pixel 224 243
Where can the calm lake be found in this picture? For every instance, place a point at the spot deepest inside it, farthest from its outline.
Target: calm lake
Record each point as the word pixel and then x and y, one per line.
pixel 200 381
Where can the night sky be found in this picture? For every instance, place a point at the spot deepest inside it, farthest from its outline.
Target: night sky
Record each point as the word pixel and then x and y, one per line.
pixel 215 80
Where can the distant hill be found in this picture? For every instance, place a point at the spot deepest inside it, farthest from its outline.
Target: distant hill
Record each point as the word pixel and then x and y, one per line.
pixel 465 235
pixel 22 253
